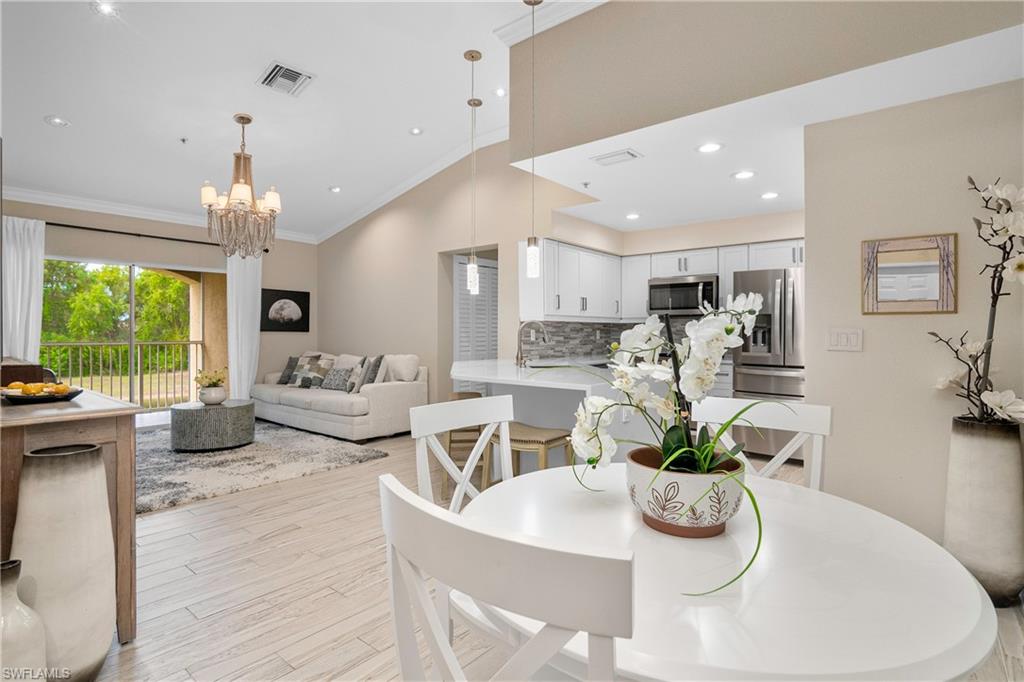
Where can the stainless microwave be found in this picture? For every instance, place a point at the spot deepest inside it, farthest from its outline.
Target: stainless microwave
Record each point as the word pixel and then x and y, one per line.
pixel 681 295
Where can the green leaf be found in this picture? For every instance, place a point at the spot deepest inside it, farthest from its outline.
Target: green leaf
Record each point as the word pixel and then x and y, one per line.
pixel 757 548
pixel 673 441
pixel 702 436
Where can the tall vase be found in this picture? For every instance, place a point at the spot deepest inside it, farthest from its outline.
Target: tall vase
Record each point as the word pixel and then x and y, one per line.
pixel 22 637
pixel 985 505
pixel 63 536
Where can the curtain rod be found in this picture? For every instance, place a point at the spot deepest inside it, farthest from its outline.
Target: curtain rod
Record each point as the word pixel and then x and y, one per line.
pixel 132 234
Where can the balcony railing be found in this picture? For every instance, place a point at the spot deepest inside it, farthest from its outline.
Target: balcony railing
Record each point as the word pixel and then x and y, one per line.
pixel 164 370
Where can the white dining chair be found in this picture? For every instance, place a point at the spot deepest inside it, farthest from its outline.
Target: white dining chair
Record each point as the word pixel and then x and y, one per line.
pixel 429 421
pixel 584 590
pixel 812 422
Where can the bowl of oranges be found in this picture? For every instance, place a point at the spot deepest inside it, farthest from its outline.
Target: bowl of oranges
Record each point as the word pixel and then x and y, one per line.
pixel 20 393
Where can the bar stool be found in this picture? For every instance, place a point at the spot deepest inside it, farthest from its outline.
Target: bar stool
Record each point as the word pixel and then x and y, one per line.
pixel 526 438
pixel 463 440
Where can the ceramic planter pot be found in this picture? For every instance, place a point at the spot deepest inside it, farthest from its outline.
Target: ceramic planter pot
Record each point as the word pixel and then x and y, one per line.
pixel 22 637
pixel 671 504
pixel 985 505
pixel 63 536
pixel 213 395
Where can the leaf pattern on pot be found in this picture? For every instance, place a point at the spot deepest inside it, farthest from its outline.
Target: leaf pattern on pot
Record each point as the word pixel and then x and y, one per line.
pixel 632 495
pixel 665 506
pixel 717 503
pixel 694 517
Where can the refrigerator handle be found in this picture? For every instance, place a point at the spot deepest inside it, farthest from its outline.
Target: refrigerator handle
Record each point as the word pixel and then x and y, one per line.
pixel 776 314
pixel 790 317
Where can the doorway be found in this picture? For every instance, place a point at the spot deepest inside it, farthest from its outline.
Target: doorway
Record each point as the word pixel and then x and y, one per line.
pixel 475 317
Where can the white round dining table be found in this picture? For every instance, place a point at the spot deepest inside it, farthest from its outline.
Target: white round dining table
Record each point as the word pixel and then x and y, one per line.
pixel 839 591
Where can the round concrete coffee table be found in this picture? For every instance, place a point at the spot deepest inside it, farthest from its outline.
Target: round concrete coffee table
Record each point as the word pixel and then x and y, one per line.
pixel 195 426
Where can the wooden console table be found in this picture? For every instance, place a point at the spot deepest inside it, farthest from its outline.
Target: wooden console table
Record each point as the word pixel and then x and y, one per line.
pixel 90 418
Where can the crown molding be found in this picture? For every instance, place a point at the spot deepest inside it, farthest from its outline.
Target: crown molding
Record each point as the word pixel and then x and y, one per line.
pixel 32 196
pixel 482 140
pixel 550 14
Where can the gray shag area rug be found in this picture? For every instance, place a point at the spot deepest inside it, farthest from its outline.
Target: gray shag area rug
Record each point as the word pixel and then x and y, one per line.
pixel 165 478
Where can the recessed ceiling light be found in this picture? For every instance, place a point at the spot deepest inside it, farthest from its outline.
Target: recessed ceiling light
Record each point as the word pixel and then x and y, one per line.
pixel 415 131
pixel 105 9
pixel 743 175
pixel 770 195
pixel 335 189
pixel 56 121
pixel 632 216
pixel 501 92
pixel 709 148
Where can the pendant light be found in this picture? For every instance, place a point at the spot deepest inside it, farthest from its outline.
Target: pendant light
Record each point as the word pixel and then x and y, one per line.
pixel 532 243
pixel 472 271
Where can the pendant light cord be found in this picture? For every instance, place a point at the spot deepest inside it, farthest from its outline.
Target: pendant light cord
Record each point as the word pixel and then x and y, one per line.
pixel 533 120
pixel 472 159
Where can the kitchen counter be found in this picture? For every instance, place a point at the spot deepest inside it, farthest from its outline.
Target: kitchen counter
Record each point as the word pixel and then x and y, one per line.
pixel 507 373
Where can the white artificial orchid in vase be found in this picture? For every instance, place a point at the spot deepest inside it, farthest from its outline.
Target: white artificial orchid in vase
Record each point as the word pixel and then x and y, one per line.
pixel 1003 230
pixel 659 379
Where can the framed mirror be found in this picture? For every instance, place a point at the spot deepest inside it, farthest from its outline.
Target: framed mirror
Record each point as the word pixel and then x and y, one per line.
pixel 909 275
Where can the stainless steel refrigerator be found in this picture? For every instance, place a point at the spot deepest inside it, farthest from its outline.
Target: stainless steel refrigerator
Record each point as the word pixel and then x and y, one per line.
pixel 770 364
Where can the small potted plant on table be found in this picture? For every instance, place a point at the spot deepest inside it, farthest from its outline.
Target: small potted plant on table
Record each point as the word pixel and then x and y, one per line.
pixel 211 386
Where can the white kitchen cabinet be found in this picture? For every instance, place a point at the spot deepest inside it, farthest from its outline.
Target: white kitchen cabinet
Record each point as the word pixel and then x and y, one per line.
pixel 549 277
pixel 636 271
pixel 694 262
pixel 731 259
pixel 770 255
pixel 570 291
pixel 600 276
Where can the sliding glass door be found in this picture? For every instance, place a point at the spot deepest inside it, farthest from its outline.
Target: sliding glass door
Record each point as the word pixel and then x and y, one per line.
pixel 129 332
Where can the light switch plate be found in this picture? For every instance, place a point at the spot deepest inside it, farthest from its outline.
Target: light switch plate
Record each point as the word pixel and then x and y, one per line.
pixel 848 339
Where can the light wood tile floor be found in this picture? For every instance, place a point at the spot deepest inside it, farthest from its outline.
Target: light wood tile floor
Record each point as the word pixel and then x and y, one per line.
pixel 287 582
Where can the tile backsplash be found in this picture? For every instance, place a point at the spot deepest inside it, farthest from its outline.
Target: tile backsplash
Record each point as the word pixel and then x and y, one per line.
pixel 571 339
pixel 576 339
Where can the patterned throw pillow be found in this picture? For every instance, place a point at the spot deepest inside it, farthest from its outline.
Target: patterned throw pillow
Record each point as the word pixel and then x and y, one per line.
pixel 337 379
pixel 310 371
pixel 355 380
pixel 289 370
pixel 372 369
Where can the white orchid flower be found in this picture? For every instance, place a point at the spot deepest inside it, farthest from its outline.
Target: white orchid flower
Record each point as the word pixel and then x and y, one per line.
pixel 973 348
pixel 665 407
pixel 1013 269
pixel 1007 191
pixel 590 438
pixel 657 371
pixel 641 341
pixel 952 380
pixel 1005 403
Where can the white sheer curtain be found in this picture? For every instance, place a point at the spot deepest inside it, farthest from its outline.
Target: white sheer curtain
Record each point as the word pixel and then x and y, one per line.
pixel 244 282
pixel 24 243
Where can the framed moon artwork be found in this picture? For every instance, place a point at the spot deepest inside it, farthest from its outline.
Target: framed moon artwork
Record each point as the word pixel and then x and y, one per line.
pixel 284 311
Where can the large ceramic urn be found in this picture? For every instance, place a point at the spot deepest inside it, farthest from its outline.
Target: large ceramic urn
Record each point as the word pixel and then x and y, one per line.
pixel 63 536
pixel 22 638
pixel 985 505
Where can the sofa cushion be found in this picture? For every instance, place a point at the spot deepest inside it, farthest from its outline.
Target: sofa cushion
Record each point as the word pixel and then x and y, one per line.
pixel 311 370
pixel 373 367
pixel 289 370
pixel 337 379
pixel 297 397
pixel 269 393
pixel 336 402
pixel 346 360
pixel 403 367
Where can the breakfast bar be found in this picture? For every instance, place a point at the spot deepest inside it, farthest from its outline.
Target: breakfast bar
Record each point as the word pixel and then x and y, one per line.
pixel 89 418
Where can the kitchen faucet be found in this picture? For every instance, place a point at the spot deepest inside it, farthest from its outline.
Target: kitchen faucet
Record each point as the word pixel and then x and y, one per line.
pixel 520 360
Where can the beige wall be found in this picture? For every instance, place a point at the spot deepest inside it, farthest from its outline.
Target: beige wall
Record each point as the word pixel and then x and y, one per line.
pixel 627 65
pixel 892 173
pixel 749 229
pixel 290 265
pixel 387 290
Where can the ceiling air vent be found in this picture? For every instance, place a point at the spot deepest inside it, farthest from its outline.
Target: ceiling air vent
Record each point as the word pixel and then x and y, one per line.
pixel 612 158
pixel 285 79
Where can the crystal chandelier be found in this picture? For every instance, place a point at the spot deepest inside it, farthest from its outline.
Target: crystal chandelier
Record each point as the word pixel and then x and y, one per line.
pixel 240 224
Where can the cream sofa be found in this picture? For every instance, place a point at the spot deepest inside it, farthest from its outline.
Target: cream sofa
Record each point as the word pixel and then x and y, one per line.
pixel 378 409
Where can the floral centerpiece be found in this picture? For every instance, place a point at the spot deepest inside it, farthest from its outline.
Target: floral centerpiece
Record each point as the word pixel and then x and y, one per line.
pixel 211 385
pixel 985 482
pixel 682 485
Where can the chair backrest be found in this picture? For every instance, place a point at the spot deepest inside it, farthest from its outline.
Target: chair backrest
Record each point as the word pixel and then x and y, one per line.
pixel 584 590
pixel 810 422
pixel 428 421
